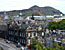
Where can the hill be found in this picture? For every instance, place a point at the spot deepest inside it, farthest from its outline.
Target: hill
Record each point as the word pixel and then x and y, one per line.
pixel 36 10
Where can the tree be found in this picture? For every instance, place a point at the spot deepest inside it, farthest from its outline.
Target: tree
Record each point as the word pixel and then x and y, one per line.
pixel 36 45
pixel 61 48
pixel 52 25
pixel 57 25
pixel 55 45
pixel 44 49
pixel 48 48
pixel 61 25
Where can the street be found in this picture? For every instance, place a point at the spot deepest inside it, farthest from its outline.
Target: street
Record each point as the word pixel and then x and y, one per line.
pixel 6 46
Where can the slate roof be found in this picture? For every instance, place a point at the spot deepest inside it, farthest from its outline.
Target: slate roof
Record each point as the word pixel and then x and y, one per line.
pixel 3 27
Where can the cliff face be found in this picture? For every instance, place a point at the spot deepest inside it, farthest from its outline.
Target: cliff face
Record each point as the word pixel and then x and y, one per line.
pixel 36 10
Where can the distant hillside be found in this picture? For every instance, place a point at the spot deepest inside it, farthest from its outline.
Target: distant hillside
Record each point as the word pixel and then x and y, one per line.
pixel 36 10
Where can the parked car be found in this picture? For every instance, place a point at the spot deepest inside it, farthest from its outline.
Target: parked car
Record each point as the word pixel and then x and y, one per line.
pixel 7 41
pixel 18 46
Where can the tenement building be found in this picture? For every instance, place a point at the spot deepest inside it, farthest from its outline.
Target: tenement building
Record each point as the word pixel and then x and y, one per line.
pixel 17 33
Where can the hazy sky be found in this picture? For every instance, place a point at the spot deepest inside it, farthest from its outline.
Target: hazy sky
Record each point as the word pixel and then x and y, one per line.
pixel 24 4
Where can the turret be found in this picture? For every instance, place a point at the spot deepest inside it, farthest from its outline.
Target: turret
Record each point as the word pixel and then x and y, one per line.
pixel 5 17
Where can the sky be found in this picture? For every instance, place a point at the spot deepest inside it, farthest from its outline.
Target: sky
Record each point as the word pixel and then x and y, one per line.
pixel 7 5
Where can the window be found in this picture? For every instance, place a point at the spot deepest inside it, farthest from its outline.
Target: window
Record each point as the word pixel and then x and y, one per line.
pixel 32 34
pixel 36 34
pixel 9 32
pixel 42 33
pixel 24 41
pixel 20 34
pixel 20 40
pixel 16 33
pixel 24 34
pixel 28 34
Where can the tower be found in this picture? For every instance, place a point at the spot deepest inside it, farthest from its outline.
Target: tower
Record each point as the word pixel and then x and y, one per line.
pixel 20 16
pixel 32 17
pixel 5 17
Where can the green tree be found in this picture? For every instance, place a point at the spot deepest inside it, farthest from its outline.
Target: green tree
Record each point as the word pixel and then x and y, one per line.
pixel 44 49
pixel 52 25
pixel 48 48
pixel 57 25
pixel 61 25
pixel 61 48
pixel 36 44
pixel 55 45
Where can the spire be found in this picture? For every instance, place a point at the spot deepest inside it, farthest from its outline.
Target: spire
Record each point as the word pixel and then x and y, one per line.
pixel 20 14
pixel 5 16
pixel 32 17
pixel 5 13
